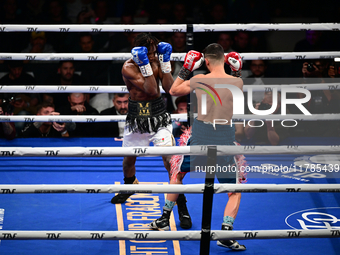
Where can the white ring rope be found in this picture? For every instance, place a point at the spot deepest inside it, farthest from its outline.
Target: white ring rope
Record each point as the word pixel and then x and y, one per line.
pixel 167 235
pixel 123 89
pixel 77 118
pixel 63 28
pixel 164 151
pixel 153 188
pixel 182 117
pixel 174 56
pixel 266 27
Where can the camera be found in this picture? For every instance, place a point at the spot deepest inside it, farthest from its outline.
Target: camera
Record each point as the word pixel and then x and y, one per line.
pixel 263 106
pixel 6 105
pixel 310 67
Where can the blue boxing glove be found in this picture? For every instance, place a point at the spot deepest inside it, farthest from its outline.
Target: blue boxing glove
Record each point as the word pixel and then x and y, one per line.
pixel 140 56
pixel 164 51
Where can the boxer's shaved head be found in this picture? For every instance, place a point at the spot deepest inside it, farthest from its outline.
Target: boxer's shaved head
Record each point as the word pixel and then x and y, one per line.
pixel 214 53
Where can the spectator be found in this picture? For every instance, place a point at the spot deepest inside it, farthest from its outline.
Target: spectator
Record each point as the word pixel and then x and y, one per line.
pixel 118 41
pixel 66 76
pixel 226 41
pixel 323 101
pixel 77 105
pixel 271 132
pixel 333 70
pixel 249 11
pixel 38 45
pixel 10 14
pixel 258 77
pixel 178 42
pixel 258 69
pixel 161 18
pixel 217 14
pixel 34 11
pixel 87 15
pixel 241 42
pixel 16 76
pixel 45 129
pixel 92 72
pixel 56 15
pixel 86 43
pixel 182 107
pixel 74 7
pixel 23 103
pixel 7 129
pixel 120 107
pixel 160 9
pixel 131 38
pixel 180 14
pixel 312 42
pixel 316 68
pixel 101 9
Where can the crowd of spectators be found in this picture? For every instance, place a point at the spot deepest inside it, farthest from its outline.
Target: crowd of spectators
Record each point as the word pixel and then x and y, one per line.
pixel 160 12
pixel 32 72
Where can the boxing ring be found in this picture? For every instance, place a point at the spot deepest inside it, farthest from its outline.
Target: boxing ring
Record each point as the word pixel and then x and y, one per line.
pixel 56 192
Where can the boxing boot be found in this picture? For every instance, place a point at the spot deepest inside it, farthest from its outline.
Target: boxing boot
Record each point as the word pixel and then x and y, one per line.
pixel 184 217
pixel 231 244
pixel 163 222
pixel 121 198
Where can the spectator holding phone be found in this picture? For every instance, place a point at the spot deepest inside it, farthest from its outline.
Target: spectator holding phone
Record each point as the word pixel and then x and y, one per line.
pixel 45 129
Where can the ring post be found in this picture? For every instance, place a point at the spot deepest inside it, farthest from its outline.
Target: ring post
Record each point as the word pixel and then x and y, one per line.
pixel 190 46
pixel 208 201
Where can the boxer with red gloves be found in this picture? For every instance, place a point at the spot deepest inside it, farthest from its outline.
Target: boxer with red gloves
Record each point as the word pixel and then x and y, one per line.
pixel 204 130
pixel 147 119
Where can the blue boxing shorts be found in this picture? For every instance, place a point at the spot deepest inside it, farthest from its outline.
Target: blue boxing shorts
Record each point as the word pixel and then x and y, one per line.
pixel 205 134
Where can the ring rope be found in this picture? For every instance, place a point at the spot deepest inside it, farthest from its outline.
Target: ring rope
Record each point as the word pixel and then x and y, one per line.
pixel 168 235
pixel 164 151
pixel 76 118
pixel 153 188
pixel 174 56
pixel 182 117
pixel 93 28
pixel 123 88
pixel 266 27
pixel 62 28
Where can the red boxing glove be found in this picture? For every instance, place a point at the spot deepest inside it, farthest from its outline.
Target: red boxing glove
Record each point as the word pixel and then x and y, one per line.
pixel 193 60
pixel 234 60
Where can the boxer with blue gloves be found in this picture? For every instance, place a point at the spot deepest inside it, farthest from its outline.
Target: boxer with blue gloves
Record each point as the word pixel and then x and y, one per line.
pixel 147 120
